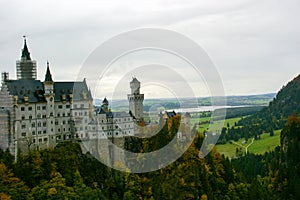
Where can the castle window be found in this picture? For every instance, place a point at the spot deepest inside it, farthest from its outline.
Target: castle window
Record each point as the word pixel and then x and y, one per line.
pixel 64 114
pixel 69 114
pixel 82 106
pixel 67 106
pixel 33 140
pixel 33 132
pixel 23 117
pixel 39 115
pixel 44 116
pixel 44 124
pixel 51 114
pixel 38 107
pixel 58 130
pixel 23 126
pixel 44 131
pixel 64 122
pixel 44 107
pixel 60 106
pixel 56 122
pixel 29 108
pixel 75 113
pixel 22 108
pixel 39 132
pixel 33 124
pixel 30 116
pixel 58 114
pixel 23 134
pixel 45 139
pixel 85 113
pixel 40 140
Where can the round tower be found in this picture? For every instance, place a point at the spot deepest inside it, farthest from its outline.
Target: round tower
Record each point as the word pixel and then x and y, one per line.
pixel 136 100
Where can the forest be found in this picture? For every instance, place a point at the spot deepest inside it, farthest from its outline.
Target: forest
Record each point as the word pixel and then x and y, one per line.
pixel 66 173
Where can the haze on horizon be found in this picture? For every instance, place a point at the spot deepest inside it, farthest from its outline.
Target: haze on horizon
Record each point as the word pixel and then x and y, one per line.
pixel 255 45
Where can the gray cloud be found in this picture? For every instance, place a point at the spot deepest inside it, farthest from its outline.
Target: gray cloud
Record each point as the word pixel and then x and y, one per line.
pixel 254 44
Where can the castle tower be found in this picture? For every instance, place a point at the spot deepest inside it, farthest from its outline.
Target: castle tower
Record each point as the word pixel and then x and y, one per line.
pixel 136 100
pixel 105 105
pixel 26 68
pixel 49 95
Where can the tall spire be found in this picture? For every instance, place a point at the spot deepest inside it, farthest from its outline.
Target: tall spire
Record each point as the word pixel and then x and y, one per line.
pixel 25 51
pixel 48 76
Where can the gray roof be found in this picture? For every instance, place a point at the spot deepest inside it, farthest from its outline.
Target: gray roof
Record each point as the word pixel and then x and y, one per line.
pixel 75 88
pixel 34 90
pixel 120 114
pixel 170 114
pixel 111 114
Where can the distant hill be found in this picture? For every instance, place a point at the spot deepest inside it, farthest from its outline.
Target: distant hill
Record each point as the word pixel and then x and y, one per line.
pixel 173 103
pixel 286 102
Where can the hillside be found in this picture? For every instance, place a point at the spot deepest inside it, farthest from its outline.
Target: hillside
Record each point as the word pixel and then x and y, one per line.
pixel 283 105
pixel 273 117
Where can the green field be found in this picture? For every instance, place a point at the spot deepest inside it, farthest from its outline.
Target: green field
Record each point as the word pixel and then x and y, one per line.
pixel 265 144
pixel 204 127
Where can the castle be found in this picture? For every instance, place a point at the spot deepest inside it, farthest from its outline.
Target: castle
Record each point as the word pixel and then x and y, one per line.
pixel 38 114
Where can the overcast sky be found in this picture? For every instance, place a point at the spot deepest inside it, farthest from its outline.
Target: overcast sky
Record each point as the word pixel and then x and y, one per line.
pixel 255 44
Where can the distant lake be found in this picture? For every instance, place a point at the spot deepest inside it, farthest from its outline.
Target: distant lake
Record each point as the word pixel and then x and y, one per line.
pixel 204 108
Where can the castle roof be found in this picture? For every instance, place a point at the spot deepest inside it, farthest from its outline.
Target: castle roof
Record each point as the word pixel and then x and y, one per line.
pixel 105 100
pixel 25 51
pixel 170 114
pixel 48 76
pixel 134 80
pixel 34 90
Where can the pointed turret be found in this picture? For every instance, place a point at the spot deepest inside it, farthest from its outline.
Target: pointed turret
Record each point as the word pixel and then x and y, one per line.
pixel 26 68
pixel 25 51
pixel 48 76
pixel 105 105
pixel 105 101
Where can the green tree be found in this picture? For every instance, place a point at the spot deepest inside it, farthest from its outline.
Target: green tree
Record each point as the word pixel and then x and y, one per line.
pixel 10 186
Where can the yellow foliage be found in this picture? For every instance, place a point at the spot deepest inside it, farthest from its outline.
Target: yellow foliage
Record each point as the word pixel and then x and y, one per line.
pixel 204 197
pixel 182 182
pixel 4 196
pixel 52 191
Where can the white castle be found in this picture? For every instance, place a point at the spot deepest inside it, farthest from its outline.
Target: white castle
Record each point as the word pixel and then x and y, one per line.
pixel 36 114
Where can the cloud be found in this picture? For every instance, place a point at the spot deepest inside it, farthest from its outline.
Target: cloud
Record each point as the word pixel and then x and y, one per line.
pixel 254 44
